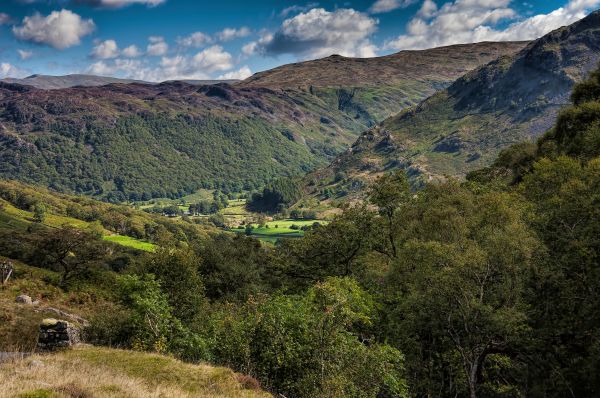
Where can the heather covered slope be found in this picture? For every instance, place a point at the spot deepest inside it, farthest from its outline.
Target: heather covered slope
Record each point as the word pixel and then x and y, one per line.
pixel 464 127
pixel 376 88
pixel 138 141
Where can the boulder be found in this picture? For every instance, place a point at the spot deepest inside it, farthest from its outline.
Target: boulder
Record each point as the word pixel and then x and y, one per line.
pixel 24 299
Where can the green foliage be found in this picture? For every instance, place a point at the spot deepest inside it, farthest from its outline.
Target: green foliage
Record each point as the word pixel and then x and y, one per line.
pixel 306 346
pixel 276 195
pixel 39 212
pixel 177 272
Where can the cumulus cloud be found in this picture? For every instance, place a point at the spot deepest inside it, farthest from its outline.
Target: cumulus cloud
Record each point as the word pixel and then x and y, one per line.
pixel 468 21
pixel 240 74
pixel 60 29
pixel 180 67
pixel 120 3
pixel 228 34
pixel 212 59
pixel 196 39
pixel 105 50
pixel 318 33
pixel 24 54
pixel 8 70
pixel 157 46
pixel 131 51
pixel 381 6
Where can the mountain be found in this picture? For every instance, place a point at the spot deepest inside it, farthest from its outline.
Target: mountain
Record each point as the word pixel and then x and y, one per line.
pixel 46 82
pixel 376 88
pixel 463 127
pixel 136 141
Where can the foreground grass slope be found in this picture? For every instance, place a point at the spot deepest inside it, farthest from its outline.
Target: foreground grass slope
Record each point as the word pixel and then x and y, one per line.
pixel 103 372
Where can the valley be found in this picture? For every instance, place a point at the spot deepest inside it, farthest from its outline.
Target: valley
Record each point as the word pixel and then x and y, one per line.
pixel 418 224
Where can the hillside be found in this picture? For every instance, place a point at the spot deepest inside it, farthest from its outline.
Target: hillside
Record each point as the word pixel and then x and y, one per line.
pixel 46 82
pixel 104 372
pixel 139 141
pixel 376 88
pixel 464 127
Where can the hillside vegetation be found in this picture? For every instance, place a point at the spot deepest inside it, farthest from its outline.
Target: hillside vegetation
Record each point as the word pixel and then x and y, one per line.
pixel 104 372
pixel 465 126
pixel 138 141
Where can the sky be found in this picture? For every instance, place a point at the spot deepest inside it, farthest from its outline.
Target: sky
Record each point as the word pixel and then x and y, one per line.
pixel 157 40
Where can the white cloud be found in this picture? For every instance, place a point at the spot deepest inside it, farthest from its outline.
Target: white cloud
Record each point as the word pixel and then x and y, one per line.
pixel 60 29
pixel 122 3
pixel 8 70
pixel 428 9
pixel 105 50
pixel 180 67
pixel 319 33
pixel 157 46
pixel 381 6
pixel 131 52
pixel 468 21
pixel 196 39
pixel 4 18
pixel 212 59
pixel 228 34
pixel 240 74
pixel 24 54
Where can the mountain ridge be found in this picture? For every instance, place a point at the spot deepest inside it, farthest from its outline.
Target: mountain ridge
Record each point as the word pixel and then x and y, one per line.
pixel 463 127
pixel 137 141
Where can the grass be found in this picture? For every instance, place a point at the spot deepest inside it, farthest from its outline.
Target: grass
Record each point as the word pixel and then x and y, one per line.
pixel 128 241
pixel 14 218
pixel 103 372
pixel 279 229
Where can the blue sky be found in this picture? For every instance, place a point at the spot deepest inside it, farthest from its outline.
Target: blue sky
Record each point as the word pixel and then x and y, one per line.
pixel 182 39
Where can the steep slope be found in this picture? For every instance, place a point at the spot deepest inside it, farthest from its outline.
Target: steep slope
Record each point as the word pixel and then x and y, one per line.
pixel 464 127
pixel 376 88
pixel 139 141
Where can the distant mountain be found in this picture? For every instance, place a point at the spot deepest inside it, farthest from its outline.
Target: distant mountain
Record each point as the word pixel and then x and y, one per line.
pixel 46 82
pixel 137 140
pixel 463 127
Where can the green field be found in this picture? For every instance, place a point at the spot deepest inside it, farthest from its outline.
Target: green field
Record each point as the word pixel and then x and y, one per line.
pixel 274 230
pixel 130 242
pixel 13 218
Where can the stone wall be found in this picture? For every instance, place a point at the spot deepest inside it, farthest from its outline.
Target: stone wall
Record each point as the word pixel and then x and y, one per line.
pixel 57 334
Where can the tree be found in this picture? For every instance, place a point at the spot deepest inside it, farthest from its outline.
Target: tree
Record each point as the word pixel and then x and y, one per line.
pixel 389 193
pixel 69 251
pixel 39 212
pixel 177 272
pixel 455 290
pixel 311 345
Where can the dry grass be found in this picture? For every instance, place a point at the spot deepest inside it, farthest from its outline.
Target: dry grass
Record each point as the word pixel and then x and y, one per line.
pixel 90 372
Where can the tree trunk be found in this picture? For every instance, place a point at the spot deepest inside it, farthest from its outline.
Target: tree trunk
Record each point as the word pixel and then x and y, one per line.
pixel 472 376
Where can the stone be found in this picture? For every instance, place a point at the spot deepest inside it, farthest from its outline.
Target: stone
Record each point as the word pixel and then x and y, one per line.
pixel 57 334
pixel 24 299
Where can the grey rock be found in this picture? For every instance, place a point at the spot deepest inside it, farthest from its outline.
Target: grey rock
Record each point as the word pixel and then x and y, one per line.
pixel 24 299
